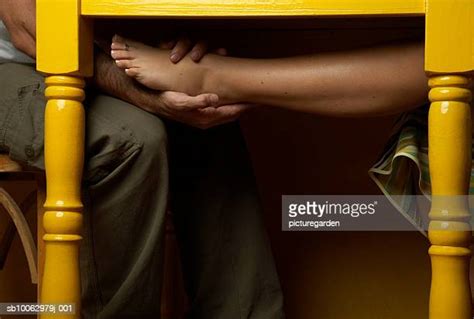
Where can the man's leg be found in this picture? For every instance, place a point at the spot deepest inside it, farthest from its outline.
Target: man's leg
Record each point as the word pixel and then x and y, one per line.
pixel 125 193
pixel 228 265
pixel 127 184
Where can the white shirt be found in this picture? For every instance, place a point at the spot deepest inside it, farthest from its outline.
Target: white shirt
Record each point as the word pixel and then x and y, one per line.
pixel 8 53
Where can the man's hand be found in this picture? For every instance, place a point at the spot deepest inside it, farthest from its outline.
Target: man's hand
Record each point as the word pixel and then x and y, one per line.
pixel 181 47
pixel 200 111
pixel 20 19
pixel 197 111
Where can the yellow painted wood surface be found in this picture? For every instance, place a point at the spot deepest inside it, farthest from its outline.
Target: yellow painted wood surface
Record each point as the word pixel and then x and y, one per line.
pixel 240 8
pixel 450 168
pixel 449 54
pixel 62 222
pixel 64 38
pixel 449 36
pixel 65 47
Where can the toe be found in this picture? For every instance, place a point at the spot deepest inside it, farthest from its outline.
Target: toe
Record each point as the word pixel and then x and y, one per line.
pixel 118 43
pixel 132 72
pixel 122 54
pixel 121 43
pixel 118 46
pixel 124 64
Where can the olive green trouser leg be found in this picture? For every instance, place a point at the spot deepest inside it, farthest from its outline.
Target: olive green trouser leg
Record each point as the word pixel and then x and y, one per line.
pixel 228 264
pixel 125 192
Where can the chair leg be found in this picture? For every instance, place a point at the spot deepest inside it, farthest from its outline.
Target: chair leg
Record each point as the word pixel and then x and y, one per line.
pixel 24 232
pixel 10 231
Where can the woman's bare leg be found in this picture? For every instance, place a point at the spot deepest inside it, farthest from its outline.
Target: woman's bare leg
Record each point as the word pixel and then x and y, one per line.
pixel 370 81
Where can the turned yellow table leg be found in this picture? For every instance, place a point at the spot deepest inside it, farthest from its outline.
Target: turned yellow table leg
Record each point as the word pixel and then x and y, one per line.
pixel 449 60
pixel 450 167
pixel 65 52
pixel 64 151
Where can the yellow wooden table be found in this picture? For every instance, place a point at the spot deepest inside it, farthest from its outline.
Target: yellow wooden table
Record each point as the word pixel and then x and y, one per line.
pixel 64 37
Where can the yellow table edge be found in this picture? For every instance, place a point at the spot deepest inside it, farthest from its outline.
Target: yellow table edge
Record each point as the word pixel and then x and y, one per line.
pixel 251 8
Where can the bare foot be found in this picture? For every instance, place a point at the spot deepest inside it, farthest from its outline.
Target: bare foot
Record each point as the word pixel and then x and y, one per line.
pixel 152 67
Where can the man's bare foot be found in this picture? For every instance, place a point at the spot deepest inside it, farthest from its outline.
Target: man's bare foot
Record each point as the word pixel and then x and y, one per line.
pixel 152 67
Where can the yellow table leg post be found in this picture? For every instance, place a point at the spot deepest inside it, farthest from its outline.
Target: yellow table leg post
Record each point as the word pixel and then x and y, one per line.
pixel 64 51
pixel 450 166
pixel 449 60
pixel 64 150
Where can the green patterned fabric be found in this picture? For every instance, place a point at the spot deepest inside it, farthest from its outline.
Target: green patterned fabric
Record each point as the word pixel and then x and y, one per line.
pixel 403 168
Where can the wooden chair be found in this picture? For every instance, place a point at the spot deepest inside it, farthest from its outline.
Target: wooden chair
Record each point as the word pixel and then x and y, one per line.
pixel 18 223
